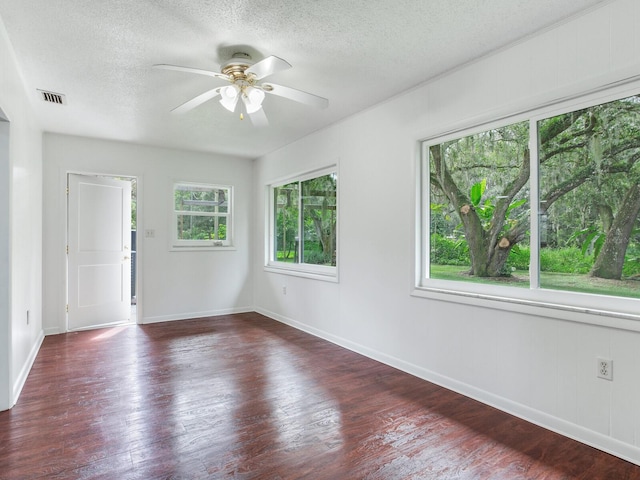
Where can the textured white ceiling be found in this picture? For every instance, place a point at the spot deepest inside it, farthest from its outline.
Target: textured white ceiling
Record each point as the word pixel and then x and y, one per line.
pixel 356 53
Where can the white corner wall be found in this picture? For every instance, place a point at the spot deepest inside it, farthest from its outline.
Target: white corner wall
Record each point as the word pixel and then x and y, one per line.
pixel 539 368
pixel 20 229
pixel 171 285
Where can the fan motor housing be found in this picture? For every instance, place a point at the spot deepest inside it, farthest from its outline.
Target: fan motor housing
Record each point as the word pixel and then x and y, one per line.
pixel 236 67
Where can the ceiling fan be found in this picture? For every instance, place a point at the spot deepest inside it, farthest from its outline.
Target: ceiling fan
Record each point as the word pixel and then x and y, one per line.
pixel 245 87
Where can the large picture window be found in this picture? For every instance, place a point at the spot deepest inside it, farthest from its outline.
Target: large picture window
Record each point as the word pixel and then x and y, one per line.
pixel 202 215
pixel 304 223
pixel 547 204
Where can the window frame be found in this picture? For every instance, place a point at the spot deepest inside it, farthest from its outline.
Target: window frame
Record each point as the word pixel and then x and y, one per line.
pixel 178 244
pixel 319 272
pixel 592 308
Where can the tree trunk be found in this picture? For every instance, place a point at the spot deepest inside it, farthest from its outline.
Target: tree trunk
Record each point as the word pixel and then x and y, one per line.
pixel 327 236
pixel 606 216
pixel 476 239
pixel 611 259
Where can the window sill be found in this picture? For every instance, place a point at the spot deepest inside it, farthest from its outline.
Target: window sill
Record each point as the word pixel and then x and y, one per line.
pixel 326 275
pixel 536 307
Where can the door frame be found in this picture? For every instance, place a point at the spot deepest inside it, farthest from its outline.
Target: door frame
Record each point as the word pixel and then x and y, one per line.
pixel 6 352
pixel 139 245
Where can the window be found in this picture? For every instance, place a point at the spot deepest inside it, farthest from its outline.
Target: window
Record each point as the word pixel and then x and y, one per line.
pixel 545 209
pixel 479 208
pixel 304 224
pixel 590 199
pixel 202 215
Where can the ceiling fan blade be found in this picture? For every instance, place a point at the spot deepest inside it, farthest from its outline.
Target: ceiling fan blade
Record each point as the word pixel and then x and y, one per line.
pixel 296 95
pixel 196 101
pixel 178 68
pixel 268 66
pixel 259 118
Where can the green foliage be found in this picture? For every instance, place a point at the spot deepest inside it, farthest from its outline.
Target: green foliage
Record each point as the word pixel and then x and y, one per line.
pixel 134 204
pixel 631 267
pixel 519 258
pixel 514 205
pixel 477 191
pixel 487 209
pixel 565 260
pixel 286 221
pixel 201 228
pixel 568 260
pixel 284 257
pixel 446 251
pixel 315 257
pixel 593 240
pixel 484 211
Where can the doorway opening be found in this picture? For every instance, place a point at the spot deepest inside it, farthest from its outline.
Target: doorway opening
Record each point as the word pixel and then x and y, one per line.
pixel 134 246
pixel 102 251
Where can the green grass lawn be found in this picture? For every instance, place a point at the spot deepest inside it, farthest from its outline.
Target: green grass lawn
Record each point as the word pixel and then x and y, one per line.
pixel 552 281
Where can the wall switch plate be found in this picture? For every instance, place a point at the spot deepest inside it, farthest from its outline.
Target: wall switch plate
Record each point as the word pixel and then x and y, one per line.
pixel 605 368
pixel 150 233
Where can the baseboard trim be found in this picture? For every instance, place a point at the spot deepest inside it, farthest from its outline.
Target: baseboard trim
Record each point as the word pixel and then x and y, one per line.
pixel 52 331
pixel 26 368
pixel 193 315
pixel 576 432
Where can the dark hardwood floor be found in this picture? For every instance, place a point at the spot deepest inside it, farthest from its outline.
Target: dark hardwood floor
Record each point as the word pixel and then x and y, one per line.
pixel 244 397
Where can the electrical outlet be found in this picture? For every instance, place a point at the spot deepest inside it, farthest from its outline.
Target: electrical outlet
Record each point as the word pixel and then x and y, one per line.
pixel 284 289
pixel 605 368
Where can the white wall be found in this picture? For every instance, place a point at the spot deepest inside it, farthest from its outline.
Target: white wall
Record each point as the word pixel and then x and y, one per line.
pixel 172 285
pixel 20 230
pixel 540 368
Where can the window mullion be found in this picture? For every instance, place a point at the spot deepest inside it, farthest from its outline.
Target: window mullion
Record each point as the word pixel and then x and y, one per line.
pixel 425 233
pixel 273 220
pixel 300 224
pixel 534 202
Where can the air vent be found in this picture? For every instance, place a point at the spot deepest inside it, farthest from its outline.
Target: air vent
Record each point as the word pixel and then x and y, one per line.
pixel 53 97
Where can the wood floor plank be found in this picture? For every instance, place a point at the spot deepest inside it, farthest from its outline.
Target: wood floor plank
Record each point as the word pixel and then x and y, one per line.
pixel 245 397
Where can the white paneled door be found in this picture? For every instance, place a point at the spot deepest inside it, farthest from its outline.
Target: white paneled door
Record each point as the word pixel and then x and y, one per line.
pixel 99 258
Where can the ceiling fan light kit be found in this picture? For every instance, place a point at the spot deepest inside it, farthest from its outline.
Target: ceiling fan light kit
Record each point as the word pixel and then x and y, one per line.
pixel 253 100
pixel 230 95
pixel 244 77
